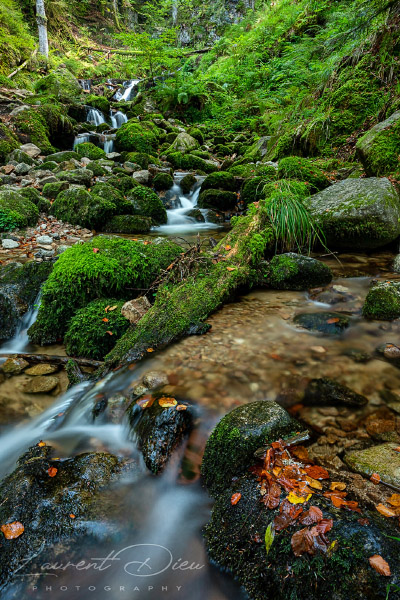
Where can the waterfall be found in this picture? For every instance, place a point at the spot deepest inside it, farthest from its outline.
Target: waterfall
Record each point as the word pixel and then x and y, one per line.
pixel 85 84
pixel 95 117
pixel 108 144
pixel 20 341
pixel 118 119
pixel 81 138
pixel 128 90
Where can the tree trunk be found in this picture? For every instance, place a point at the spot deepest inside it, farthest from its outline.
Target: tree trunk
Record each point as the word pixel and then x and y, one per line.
pixel 42 28
pixel 174 13
pixel 181 309
pixel 115 13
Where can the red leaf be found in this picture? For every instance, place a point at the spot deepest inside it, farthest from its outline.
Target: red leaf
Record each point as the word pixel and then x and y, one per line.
pixel 235 498
pixel 317 472
pixel 380 565
pixel 313 515
pixel 323 527
pixel 303 542
pixel 273 495
pixel 95 250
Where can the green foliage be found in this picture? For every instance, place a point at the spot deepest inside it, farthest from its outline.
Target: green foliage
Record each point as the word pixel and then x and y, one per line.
pixel 89 336
pixel 90 151
pixel 16 41
pixel 16 210
pixel 128 224
pixel 77 207
pixel 99 102
pixel 217 199
pixel 253 190
pixel 295 167
pixel 191 162
pixel 219 181
pixel 102 267
pixel 162 181
pixel 8 142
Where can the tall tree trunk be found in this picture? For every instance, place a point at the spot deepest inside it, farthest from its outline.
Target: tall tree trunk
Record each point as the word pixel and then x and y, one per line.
pixel 42 28
pixel 174 13
pixel 116 13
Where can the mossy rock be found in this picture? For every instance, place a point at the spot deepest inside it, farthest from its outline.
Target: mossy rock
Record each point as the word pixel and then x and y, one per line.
pixel 100 268
pixel 162 182
pixel 20 156
pixel 137 137
pixel 253 190
pixel 295 272
pixel 379 148
pixel 217 199
pixel 33 195
pixel 328 323
pixel 88 335
pixel 8 142
pixel 243 170
pixel 16 211
pixel 128 224
pixel 383 301
pixel 190 162
pixel 112 195
pixel 357 214
pixel 45 126
pixel 139 158
pixel 66 155
pixel 184 143
pixel 61 84
pixel 186 183
pixel 51 190
pixel 77 176
pixel 146 203
pixel 302 169
pixel 77 207
pixel 231 446
pixel 219 181
pixel 48 165
pixel 99 102
pixel 382 459
pixel 91 151
pixel 123 183
pixel 97 169
pixel 197 134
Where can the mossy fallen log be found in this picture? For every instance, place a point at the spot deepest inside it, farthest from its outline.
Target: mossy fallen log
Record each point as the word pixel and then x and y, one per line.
pixel 181 308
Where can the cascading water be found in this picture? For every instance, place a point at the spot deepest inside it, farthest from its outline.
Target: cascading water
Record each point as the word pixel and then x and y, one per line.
pixel 20 341
pixel 85 84
pixel 81 138
pixel 179 218
pixel 118 119
pixel 95 116
pixel 128 91
pixel 108 144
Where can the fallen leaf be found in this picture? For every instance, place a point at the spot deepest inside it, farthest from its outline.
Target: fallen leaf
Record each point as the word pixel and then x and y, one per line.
pixel 12 530
pixel 312 515
pixel 295 499
pixel 337 485
pixel 106 308
pixel 150 349
pixel 303 542
pixel 146 401
pixel 52 471
pixel 380 565
pixel 111 308
pixel 322 527
pixel 394 500
pixel 235 498
pixel 375 478
pixel 109 332
pixel 316 485
pixel 228 247
pixel 105 320
pixel 299 452
pixel 181 407
pixel 166 402
pixel 272 497
pixel 230 269
pixel 385 511
pixel 317 472
pixel 72 516
pixel 333 320
pixel 269 537
pixel 397 449
pixel 41 444
pixel 95 250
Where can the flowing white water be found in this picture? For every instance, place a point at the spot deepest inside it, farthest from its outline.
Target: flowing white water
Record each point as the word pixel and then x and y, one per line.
pixel 20 342
pixel 178 219
pixel 85 84
pixel 95 116
pixel 118 119
pixel 128 91
pixel 108 144
pixel 81 138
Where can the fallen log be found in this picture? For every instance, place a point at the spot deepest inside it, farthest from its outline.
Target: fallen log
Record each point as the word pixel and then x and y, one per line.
pixel 55 360
pixel 140 52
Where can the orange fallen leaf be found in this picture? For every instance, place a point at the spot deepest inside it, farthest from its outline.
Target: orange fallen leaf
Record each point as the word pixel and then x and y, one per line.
pixel 300 452
pixel 317 472
pixel 235 498
pixel 12 530
pixel 41 444
pixel 150 349
pixel 166 402
pixel 385 511
pixel 111 308
pixel 275 356
pixel 316 485
pixel 106 308
pixel 105 320
pixel 230 269
pixel 394 500
pixel 181 407
pixel 375 478
pixel 337 485
pixel 146 401
pixel 228 247
pixel 380 565
pixel 72 516
pixel 397 449
pixel 52 471
pixel 333 320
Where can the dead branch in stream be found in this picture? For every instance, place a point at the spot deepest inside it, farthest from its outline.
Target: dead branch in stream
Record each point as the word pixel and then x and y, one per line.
pixel 55 360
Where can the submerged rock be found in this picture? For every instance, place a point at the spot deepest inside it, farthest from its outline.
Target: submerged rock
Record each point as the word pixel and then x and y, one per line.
pixel 382 459
pixel 296 272
pixel 41 369
pixel 14 366
pixel 330 323
pixel 326 391
pixel 40 385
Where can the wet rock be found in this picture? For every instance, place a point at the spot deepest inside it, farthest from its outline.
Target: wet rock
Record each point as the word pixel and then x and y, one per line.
pixel 336 294
pixel 40 385
pixel 187 182
pixel 382 459
pixel 78 176
pixel 376 150
pixel 134 310
pixel 358 356
pixel 155 379
pixel 41 369
pixel 22 169
pixel 383 301
pixel 238 435
pixel 330 323
pixel 196 214
pixel 296 272
pixel 183 143
pixel 142 177
pixel 327 391
pixel 14 366
pixel 160 430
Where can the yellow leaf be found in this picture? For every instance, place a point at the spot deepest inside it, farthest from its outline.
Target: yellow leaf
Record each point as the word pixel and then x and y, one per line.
pixel 165 402
pixel 294 499
pixel 112 308
pixel 269 537
pixel 338 485
pixel 316 485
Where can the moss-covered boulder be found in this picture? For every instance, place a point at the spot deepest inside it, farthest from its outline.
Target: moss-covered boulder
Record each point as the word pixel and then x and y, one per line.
pixel 187 182
pixel 128 224
pixel 99 102
pixel 253 190
pixel 197 134
pixel 63 156
pixel 46 126
pixel 379 148
pixel 162 182
pixel 137 137
pixel 121 182
pixel 8 142
pixel 296 272
pixel 95 329
pixel 219 181
pixel 383 301
pixel 302 169
pixel 100 268
pixel 231 446
pixel 16 211
pixel 146 203
pixel 51 190
pixel 357 214
pixel 191 162
pixel 90 150
pixel 77 207
pixel 382 459
pixel 113 195
pixel 33 195
pixel 140 158
pixel 217 199
pixel 62 84
pixel 184 143
pixel 77 176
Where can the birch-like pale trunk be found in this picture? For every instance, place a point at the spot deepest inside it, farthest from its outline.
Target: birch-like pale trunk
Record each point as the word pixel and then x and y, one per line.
pixel 42 28
pixel 174 13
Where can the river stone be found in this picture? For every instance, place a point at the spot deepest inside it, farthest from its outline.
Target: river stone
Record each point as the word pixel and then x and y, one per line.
pixel 14 366
pixel 134 310
pixel 41 369
pixel 9 244
pixel 231 446
pixel 155 379
pixel 30 149
pixel 296 272
pixel 22 169
pixel 183 143
pixel 357 214
pixel 326 391
pixel 196 214
pixel 44 239
pixel 382 459
pixel 159 430
pixel 142 177
pixel 330 323
pixel 383 301
pixel 40 385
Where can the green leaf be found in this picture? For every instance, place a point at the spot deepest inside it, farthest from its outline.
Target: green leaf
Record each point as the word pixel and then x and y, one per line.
pixel 269 537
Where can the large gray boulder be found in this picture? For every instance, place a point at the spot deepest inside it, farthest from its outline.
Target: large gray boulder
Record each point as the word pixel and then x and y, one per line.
pixel 184 143
pixel 357 214
pixel 379 148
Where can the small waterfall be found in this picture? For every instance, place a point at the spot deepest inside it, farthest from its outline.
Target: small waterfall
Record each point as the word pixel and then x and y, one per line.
pixel 178 219
pixel 128 91
pixel 108 144
pixel 20 341
pixel 95 116
pixel 85 84
pixel 118 119
pixel 81 138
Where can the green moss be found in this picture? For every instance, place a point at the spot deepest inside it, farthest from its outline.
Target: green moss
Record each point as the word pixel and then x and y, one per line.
pixel 128 224
pixel 88 335
pixel 33 195
pixel 105 191
pixel 197 134
pixel 77 207
pixel 16 210
pixel 253 190
pixel 217 199
pixel 187 183
pixel 290 186
pixel 29 278
pixel 8 142
pixel 383 301
pixel 219 181
pixel 139 158
pixel 137 137
pixel 379 149
pixel 51 190
pixel 45 126
pixel 241 170
pixel 190 161
pixel 102 267
pixel 162 181
pixel 66 155
pixel 302 169
pixel 61 84
pixel 97 169
pixel 123 183
pixel 90 151
pixel 99 102
pixel 146 203
pixel 294 272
